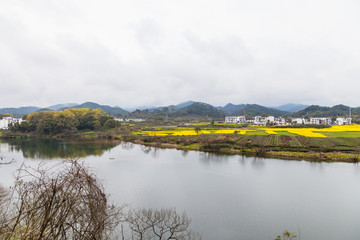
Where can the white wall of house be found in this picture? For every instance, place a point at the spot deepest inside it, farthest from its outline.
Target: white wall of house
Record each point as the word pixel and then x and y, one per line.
pixel 298 121
pixel 270 119
pixel 279 121
pixel 3 124
pixel 235 119
pixel 263 121
pixel 342 121
pixel 318 121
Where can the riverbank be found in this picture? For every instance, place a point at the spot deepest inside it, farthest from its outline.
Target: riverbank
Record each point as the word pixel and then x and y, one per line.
pixel 269 146
pixel 257 151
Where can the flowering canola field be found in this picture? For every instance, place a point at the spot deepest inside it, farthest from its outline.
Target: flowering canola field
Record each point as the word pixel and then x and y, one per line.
pixel 352 130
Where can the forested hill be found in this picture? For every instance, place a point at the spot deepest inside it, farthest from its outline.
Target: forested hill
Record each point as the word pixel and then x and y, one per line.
pixel 251 110
pixel 115 111
pixel 291 107
pixel 319 111
pixel 21 111
pixel 200 109
pixel 191 109
pixel 231 109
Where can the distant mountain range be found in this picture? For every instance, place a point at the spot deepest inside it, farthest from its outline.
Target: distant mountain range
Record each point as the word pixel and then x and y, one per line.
pixel 21 111
pixel 251 110
pixel 187 109
pixel 170 107
pixel 153 108
pixel 116 111
pixel 193 109
pixel 18 112
pixel 60 106
pixel 319 111
pixel 291 107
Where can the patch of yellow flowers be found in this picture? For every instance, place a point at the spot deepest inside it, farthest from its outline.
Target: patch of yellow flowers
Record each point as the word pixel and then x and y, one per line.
pixel 307 132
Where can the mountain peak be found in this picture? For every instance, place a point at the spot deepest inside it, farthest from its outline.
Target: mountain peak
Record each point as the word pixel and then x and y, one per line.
pixel 291 107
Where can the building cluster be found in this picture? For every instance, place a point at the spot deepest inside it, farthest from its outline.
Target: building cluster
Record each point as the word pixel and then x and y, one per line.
pixel 271 120
pixel 257 120
pixel 129 119
pixel 6 122
pixel 321 121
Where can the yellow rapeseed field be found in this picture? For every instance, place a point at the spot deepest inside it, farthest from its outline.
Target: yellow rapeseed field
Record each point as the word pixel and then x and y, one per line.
pixel 307 132
pixel 270 131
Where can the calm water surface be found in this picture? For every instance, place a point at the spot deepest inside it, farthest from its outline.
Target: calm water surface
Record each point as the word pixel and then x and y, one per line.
pixel 227 197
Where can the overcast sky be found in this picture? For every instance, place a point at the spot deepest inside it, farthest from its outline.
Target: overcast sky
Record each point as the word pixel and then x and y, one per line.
pixel 161 52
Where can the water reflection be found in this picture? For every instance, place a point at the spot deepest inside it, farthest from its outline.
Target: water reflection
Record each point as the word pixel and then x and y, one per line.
pixel 242 160
pixel 184 153
pixel 209 158
pixel 51 148
pixel 256 163
pixel 127 145
pixel 318 165
pixel 154 151
pixel 146 149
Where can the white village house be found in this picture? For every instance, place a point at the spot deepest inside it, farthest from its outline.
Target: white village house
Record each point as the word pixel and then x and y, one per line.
pixel 6 122
pixel 342 121
pixel 280 121
pixel 319 121
pixel 130 120
pixel 300 121
pixel 263 121
pixel 235 119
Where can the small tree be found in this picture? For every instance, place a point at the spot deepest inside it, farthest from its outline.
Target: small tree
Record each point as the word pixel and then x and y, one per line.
pixel 197 129
pixel 109 124
pixel 286 235
pixel 158 224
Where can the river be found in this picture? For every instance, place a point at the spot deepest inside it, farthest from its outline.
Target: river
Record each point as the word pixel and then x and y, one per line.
pixel 226 196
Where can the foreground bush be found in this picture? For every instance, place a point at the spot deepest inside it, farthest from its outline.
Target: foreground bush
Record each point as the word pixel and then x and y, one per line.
pixel 64 202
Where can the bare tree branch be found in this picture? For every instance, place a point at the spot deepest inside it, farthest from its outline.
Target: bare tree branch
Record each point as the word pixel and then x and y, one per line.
pixel 159 224
pixel 4 161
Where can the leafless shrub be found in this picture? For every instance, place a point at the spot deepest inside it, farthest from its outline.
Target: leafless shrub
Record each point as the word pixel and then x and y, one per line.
pixel 158 224
pixel 63 202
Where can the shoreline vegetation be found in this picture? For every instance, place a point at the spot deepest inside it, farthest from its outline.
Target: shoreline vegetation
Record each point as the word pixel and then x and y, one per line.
pixel 296 147
pixel 255 151
pixel 302 142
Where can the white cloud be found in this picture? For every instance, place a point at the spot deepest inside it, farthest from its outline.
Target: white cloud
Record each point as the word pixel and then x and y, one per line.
pixel 131 53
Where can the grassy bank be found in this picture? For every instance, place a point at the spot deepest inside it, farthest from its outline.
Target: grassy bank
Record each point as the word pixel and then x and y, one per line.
pixel 339 143
pixel 274 146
